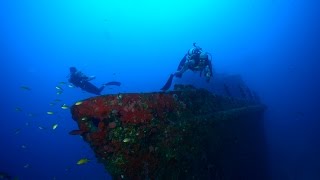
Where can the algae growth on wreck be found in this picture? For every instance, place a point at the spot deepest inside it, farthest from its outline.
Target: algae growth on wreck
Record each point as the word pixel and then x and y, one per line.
pixel 187 133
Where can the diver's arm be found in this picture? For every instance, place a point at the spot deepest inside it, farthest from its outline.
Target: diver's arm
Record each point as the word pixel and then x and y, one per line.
pixel 208 71
pixel 210 67
pixel 85 77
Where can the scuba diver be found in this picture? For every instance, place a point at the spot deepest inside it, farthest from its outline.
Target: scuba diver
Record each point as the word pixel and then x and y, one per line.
pixel 195 60
pixel 78 79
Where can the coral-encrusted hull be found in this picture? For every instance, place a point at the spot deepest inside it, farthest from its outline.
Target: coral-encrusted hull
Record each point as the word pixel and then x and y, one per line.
pixel 174 135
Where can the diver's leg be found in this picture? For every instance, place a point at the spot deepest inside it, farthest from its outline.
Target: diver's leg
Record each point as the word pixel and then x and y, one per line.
pixel 87 86
pixel 182 62
pixel 185 67
pixel 168 83
pixel 101 89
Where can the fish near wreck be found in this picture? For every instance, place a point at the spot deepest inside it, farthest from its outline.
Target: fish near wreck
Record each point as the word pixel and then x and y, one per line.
pixel 76 132
pixel 180 134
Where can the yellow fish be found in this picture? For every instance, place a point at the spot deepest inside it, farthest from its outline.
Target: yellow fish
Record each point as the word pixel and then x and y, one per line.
pixel 17 131
pixel 78 103
pixel 25 88
pixel 64 106
pixel 50 112
pixel 84 118
pixel 18 109
pixel 83 161
pixel 59 88
pixel 126 140
pixel 31 115
pixel 54 126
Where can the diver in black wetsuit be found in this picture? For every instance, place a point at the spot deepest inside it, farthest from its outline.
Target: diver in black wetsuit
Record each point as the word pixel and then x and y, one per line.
pixel 78 79
pixel 195 60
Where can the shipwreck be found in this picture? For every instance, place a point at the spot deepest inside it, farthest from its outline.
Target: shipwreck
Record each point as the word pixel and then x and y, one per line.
pixel 186 133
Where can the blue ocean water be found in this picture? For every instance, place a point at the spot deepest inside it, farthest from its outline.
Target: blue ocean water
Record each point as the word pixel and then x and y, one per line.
pixel 272 44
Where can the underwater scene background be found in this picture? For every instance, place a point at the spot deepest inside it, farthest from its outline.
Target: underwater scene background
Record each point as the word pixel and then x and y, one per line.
pixel 272 44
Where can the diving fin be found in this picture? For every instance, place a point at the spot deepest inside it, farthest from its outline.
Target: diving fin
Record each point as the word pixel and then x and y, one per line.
pixel 168 83
pixel 114 83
